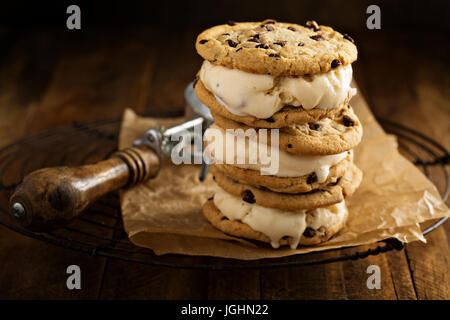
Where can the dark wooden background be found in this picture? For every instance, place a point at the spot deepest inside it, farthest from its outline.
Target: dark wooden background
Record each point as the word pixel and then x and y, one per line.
pixel 142 56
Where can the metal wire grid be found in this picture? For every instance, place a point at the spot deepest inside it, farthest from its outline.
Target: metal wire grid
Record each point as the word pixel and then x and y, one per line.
pixel 99 231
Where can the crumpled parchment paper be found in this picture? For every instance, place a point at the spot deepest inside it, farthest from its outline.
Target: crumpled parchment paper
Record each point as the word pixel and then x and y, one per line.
pixel 164 214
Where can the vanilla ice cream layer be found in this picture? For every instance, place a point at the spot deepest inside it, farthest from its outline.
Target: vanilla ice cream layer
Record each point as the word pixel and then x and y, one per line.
pixel 289 165
pixel 260 95
pixel 276 223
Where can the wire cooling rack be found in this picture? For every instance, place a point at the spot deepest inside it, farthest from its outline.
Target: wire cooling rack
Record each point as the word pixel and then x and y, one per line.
pixel 99 231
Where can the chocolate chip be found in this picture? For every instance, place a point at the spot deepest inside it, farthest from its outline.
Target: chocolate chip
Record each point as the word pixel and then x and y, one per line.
pixel 336 63
pixel 349 106
pixel 346 36
pixel 311 178
pixel 263 46
pixel 254 40
pixel 289 145
pixel 280 43
pixel 225 34
pixel 256 36
pixel 348 122
pixel 231 23
pixel 270 120
pixel 214 178
pixel 274 55
pixel 269 28
pixel 317 37
pixel 312 25
pixel 292 29
pixel 315 126
pixel 239 49
pixel 203 41
pixel 195 81
pixel 300 44
pixel 224 218
pixel 210 198
pixel 248 196
pixel 270 21
pixel 232 43
pixel 309 232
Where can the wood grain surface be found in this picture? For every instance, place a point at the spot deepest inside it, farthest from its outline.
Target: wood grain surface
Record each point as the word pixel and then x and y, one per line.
pixel 50 78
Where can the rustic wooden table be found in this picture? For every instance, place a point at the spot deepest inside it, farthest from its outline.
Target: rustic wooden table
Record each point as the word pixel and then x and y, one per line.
pixel 49 79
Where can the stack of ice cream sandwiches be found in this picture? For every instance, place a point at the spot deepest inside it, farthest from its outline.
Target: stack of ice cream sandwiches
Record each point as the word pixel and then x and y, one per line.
pixel 296 81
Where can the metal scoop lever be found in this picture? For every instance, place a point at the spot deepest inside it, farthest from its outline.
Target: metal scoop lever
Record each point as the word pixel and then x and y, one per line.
pixel 49 198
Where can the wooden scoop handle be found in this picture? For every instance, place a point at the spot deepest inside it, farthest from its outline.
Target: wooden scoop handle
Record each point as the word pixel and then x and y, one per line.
pixel 49 198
